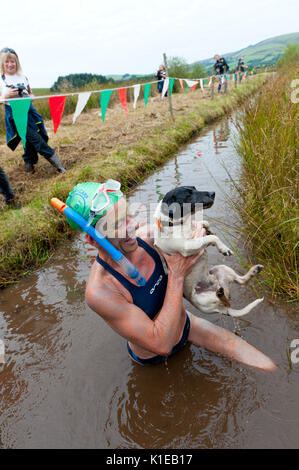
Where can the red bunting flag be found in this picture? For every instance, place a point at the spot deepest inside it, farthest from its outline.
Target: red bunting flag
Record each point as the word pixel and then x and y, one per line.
pixel 181 83
pixel 123 99
pixel 56 104
pixel 194 86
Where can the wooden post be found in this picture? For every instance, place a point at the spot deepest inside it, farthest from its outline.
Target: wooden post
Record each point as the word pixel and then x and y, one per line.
pixel 169 95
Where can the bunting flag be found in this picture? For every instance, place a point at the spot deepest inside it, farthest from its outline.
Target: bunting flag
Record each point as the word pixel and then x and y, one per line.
pixel 146 92
pixel 19 110
pixel 122 93
pixel 194 86
pixel 171 82
pixel 191 83
pixel 136 95
pixel 81 103
pixel 165 87
pixel 105 96
pixel 56 104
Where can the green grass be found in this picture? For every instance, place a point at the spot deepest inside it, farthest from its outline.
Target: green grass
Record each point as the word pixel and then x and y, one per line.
pixel 269 136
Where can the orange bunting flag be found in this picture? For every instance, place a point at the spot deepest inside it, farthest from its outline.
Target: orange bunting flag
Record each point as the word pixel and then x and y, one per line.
pixel 122 92
pixel 56 104
pixel 194 86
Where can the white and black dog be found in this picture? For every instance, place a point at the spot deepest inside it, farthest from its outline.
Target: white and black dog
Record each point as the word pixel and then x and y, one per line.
pixel 174 231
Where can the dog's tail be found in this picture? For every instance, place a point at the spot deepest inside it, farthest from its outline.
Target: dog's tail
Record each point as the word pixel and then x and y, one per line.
pixel 239 313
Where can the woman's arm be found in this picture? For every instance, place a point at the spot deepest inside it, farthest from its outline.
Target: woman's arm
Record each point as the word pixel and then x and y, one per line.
pixel 158 336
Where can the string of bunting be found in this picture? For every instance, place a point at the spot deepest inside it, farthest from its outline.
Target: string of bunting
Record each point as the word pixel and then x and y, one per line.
pixel 20 106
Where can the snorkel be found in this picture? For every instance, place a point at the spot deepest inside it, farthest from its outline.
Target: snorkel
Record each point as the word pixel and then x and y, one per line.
pixel 85 224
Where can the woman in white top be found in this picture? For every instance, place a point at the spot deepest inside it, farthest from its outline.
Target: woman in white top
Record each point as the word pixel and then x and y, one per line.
pixel 13 84
pixel 161 75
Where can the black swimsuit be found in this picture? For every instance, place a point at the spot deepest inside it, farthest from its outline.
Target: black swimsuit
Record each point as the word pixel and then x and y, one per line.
pixel 149 297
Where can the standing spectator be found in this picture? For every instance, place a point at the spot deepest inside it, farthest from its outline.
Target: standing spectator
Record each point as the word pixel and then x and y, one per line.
pixel 161 75
pixel 13 84
pixel 241 67
pixel 7 191
pixel 220 68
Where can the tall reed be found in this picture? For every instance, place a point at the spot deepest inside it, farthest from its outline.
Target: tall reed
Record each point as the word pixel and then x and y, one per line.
pixel 268 142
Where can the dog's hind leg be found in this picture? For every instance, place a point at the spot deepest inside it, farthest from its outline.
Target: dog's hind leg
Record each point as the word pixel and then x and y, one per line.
pixel 242 280
pixel 226 275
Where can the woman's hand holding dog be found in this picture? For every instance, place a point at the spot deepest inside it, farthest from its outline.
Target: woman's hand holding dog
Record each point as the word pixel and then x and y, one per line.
pixel 178 265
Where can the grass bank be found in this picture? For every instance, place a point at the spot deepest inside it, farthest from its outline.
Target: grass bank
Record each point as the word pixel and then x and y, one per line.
pixel 269 136
pixel 127 149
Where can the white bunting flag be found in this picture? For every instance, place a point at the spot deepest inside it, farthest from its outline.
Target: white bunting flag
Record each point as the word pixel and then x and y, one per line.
pixel 136 94
pixel 165 87
pixel 82 100
pixel 191 83
pixel 201 84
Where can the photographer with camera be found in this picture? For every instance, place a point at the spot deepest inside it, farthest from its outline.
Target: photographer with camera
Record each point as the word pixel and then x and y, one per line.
pixel 13 84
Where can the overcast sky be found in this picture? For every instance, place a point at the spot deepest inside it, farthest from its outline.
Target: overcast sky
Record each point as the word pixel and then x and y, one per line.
pixel 59 37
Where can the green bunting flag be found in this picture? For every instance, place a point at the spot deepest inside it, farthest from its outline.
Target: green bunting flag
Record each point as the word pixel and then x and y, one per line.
pixel 105 96
pixel 20 115
pixel 171 82
pixel 146 92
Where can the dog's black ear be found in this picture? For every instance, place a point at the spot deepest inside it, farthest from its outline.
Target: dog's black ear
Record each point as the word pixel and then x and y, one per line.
pixel 220 292
pixel 221 295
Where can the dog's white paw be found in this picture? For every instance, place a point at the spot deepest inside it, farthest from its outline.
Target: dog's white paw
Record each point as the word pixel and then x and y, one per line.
pixel 226 251
pixel 258 268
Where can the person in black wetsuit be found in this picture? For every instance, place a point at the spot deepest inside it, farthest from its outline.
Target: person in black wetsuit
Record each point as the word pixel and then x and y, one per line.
pixel 220 68
pixel 152 318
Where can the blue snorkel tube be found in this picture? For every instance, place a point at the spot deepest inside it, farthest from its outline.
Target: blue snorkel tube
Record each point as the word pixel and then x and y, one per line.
pixel 127 267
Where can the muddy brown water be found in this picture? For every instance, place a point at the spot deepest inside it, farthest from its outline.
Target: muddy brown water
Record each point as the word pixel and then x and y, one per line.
pixel 67 380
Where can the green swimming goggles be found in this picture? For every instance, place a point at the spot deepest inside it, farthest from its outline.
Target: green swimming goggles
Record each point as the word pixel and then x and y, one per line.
pixel 101 200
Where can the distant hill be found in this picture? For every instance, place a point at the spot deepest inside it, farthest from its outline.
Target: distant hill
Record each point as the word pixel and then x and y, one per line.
pixel 128 77
pixel 262 54
pixel 76 81
pixel 79 80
